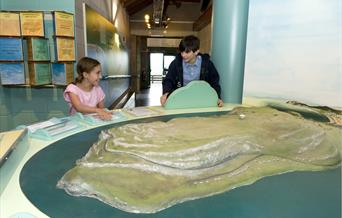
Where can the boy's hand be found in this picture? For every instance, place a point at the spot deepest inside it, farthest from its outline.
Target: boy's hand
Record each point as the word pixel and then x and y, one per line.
pixel 219 103
pixel 163 99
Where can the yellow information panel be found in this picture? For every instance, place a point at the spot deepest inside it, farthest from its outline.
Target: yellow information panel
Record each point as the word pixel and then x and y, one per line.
pixel 65 49
pixel 64 24
pixel 32 23
pixel 9 24
pixel 8 140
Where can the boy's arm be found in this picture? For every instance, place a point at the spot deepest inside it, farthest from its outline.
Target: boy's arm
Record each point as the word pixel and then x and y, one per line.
pixel 163 98
pixel 219 103
pixel 169 82
pixel 214 79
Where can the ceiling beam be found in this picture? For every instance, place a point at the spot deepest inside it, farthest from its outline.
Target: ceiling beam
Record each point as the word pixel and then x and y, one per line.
pixel 194 1
pixel 203 20
pixel 137 5
pixel 127 3
pixel 205 4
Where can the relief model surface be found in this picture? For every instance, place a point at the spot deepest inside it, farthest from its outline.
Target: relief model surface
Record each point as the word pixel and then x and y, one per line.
pixel 147 167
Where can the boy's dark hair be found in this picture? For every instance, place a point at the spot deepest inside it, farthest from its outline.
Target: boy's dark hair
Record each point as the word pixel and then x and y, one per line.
pixel 189 43
pixel 85 64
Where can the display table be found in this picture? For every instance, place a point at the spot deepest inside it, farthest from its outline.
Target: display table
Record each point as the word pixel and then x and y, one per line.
pixel 37 157
pixel 8 141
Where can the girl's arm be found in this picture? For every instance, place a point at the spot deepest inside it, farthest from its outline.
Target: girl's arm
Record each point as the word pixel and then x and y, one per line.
pixel 101 104
pixel 103 114
pixel 76 103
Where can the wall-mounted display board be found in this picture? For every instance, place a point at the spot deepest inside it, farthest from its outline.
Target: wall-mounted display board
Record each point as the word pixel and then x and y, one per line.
pixel 49 28
pixel 64 24
pixel 11 49
pixel 12 73
pixel 105 44
pixel 65 48
pixel 62 73
pixel 30 41
pixel 39 73
pixel 38 49
pixel 9 24
pixel 32 23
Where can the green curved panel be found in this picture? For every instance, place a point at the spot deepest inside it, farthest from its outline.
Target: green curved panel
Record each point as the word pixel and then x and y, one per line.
pixel 197 94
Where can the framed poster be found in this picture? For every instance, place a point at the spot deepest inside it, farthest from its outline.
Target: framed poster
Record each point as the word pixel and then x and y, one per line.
pixel 32 23
pixel 64 24
pixel 62 73
pixel 39 73
pixel 9 24
pixel 105 44
pixel 11 49
pixel 65 49
pixel 38 49
pixel 50 34
pixel 12 73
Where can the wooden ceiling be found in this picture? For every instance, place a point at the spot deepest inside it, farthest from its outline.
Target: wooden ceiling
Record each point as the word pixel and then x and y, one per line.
pixel 133 6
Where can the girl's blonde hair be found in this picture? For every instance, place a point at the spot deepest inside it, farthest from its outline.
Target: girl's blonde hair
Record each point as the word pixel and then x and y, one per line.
pixel 85 64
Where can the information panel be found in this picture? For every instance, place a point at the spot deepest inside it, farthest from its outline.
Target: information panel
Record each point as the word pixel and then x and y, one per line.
pixel 12 73
pixel 65 49
pixel 9 24
pixel 64 24
pixel 11 49
pixel 32 23
pixel 38 49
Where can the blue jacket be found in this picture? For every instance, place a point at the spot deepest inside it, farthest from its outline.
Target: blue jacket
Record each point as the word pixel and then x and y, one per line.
pixel 174 77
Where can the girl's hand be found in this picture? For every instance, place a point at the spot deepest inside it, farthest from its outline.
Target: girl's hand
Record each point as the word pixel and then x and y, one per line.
pixel 103 114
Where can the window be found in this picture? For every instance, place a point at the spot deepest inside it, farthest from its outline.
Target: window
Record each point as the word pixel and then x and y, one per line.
pixel 156 60
pixel 167 61
pixel 159 65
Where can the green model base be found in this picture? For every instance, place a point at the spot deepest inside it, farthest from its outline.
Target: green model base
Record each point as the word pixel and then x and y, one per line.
pixel 197 94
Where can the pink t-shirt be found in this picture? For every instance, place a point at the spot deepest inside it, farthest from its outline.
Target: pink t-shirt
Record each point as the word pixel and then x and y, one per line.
pixel 91 98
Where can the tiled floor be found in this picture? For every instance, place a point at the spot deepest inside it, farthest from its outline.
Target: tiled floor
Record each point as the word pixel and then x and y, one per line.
pixel 149 97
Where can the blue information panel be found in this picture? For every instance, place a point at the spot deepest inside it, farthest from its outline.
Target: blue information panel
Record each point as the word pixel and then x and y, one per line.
pixel 58 73
pixel 12 73
pixel 11 49
pixel 62 73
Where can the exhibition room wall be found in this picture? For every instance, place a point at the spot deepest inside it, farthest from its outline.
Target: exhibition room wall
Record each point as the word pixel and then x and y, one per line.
pixel 294 51
pixel 25 105
pixel 118 83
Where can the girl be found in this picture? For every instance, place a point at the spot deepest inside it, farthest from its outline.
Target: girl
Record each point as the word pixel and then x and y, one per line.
pixel 85 95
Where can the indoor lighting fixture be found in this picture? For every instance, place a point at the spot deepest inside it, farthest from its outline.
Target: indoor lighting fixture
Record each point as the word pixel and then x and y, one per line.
pixel 152 23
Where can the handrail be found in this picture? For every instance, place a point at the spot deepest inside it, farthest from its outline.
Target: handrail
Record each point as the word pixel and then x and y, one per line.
pixel 115 77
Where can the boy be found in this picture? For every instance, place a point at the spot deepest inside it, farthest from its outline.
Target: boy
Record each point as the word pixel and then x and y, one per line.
pixel 190 65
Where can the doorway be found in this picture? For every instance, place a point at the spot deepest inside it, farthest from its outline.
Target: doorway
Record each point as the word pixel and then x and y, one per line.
pixel 159 65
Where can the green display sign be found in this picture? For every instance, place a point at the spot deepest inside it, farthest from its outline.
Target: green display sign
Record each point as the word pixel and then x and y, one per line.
pixel 40 73
pixel 38 49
